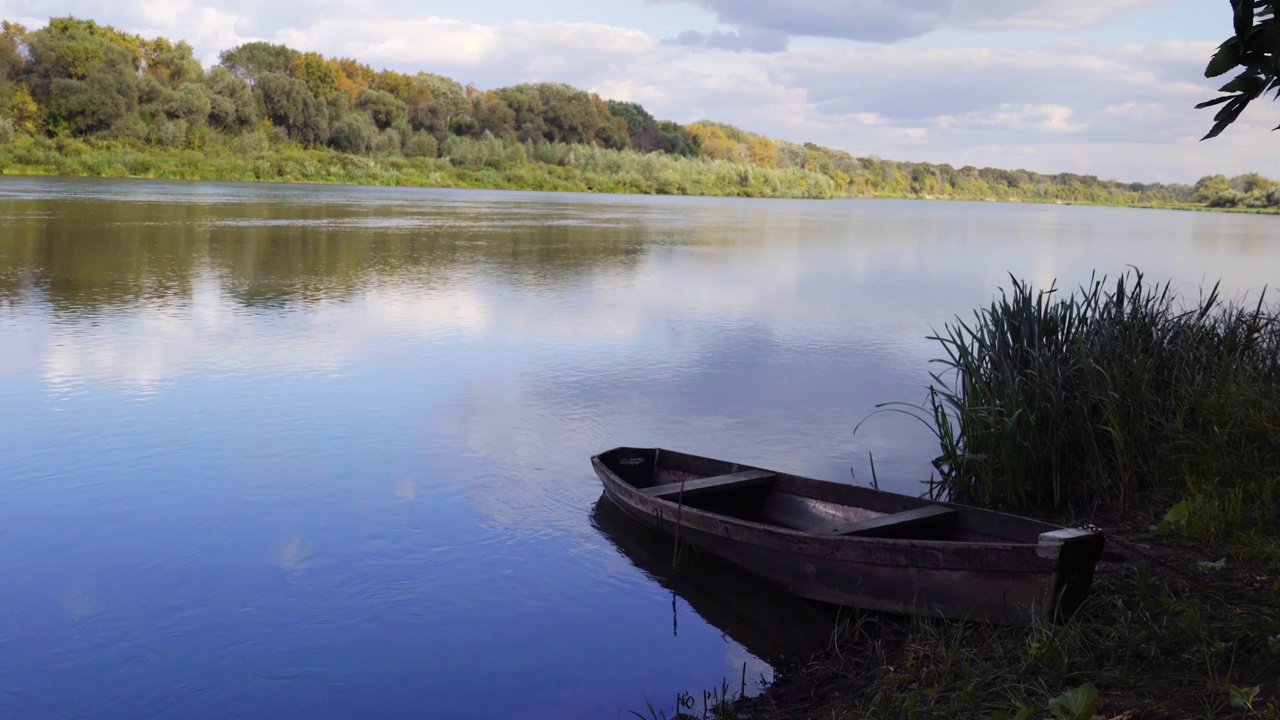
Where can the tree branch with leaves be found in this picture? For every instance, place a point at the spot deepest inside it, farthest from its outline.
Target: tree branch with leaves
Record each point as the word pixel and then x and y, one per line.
pixel 1255 48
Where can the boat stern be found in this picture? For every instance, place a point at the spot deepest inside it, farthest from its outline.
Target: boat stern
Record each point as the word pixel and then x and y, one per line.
pixel 1076 551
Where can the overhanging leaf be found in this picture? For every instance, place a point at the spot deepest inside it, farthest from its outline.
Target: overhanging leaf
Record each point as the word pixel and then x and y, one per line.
pixel 1215 101
pixel 1243 17
pixel 1227 57
pixel 1242 84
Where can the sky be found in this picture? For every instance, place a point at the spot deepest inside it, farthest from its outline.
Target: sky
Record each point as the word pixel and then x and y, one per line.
pixel 1100 87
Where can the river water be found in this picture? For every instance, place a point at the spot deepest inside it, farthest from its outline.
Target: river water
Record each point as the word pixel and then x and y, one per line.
pixel 273 451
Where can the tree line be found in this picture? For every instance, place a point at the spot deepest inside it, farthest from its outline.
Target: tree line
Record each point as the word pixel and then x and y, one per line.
pixel 77 79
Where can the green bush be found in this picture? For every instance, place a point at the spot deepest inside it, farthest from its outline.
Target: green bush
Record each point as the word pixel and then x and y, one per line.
pixel 168 133
pixel 252 143
pixel 353 134
pixel 421 145
pixel 387 142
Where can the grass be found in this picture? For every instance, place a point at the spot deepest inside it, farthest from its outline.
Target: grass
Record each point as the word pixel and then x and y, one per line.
pixel 1052 404
pixel 1153 416
pixel 1172 632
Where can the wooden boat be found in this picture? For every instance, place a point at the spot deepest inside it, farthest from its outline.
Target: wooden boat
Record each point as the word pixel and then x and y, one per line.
pixel 856 546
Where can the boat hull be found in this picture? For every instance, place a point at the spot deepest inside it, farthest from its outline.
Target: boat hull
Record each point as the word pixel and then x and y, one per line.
pixel 1014 582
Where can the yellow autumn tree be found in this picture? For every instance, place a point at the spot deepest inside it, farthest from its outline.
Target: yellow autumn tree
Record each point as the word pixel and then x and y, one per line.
pixel 17 104
pixel 320 76
pixel 712 142
pixel 353 76
pixel 762 151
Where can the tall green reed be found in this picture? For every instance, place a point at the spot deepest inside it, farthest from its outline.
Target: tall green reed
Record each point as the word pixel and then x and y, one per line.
pixel 1050 403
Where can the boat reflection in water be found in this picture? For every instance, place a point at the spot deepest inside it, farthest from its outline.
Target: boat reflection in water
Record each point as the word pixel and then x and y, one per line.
pixel 771 624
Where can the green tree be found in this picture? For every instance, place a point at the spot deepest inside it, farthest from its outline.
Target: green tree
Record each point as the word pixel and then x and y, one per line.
pixel 791 155
pixel 251 61
pixel 492 114
pixel 612 131
pixel 408 89
pixel 1255 49
pixel 16 104
pixel 171 64
pixel 675 139
pixel 385 109
pixel 13 51
pixel 642 128
pixel 232 107
pixel 94 104
pixel 569 113
pixel 353 134
pixel 1251 182
pixel 553 112
pixel 633 114
pixel 448 100
pixel 70 49
pixel 191 104
pixel 1209 187
pixel 289 104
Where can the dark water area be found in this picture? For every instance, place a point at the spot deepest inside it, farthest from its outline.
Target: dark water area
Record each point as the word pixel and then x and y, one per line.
pixel 322 452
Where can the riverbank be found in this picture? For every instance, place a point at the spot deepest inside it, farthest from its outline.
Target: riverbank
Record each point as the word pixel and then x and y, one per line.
pixel 576 169
pixel 1182 623
pixel 589 170
pixel 1121 404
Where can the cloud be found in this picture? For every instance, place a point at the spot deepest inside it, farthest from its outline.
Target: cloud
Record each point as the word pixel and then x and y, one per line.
pixel 747 40
pixel 1050 14
pixel 1086 95
pixel 481 53
pixel 893 20
pixel 212 333
pixel 390 33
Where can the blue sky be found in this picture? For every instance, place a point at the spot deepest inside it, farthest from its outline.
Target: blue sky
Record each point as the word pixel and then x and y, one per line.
pixel 1103 87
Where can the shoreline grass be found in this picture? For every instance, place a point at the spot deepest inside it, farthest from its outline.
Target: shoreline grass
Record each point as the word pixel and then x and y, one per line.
pixel 1176 628
pixel 1051 404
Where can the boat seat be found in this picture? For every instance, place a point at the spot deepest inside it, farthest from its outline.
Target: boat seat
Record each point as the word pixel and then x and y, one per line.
pixel 930 520
pixel 715 483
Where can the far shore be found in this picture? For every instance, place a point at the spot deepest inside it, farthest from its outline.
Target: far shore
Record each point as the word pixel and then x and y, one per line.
pixel 293 164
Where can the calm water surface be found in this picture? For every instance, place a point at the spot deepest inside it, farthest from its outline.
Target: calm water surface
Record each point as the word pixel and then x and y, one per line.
pixel 322 452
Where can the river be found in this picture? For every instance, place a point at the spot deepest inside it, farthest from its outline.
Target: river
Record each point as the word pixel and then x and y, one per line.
pixel 274 451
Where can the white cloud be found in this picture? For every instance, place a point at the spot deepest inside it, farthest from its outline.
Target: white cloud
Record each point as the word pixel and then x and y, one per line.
pixel 981 105
pixel 892 20
pixel 539 50
pixel 212 333
pixel 1059 14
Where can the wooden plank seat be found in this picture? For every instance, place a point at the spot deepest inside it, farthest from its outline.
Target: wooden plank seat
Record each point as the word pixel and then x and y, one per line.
pixel 715 483
pixel 928 520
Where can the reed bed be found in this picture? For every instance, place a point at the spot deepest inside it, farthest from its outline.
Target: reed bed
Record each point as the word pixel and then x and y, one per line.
pixel 1051 404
